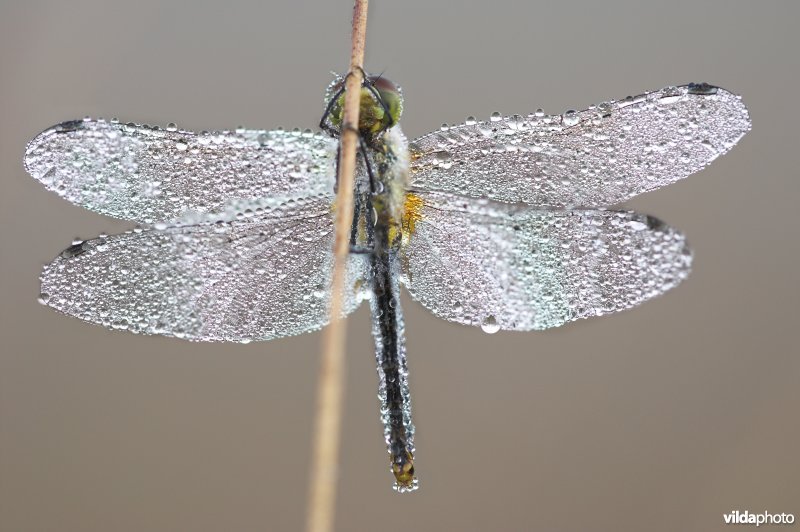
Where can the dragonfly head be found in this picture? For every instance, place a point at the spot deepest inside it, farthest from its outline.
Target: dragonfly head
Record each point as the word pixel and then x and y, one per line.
pixel 381 104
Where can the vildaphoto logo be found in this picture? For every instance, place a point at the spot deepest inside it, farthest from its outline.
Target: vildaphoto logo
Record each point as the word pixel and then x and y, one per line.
pixel 764 518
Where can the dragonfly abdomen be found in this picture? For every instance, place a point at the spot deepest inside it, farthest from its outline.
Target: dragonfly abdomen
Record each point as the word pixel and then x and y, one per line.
pixel 390 352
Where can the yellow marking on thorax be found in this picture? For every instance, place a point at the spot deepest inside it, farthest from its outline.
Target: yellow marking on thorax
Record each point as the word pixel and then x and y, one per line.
pixel 412 213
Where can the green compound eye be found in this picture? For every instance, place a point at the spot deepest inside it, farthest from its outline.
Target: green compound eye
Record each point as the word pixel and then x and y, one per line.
pixel 337 110
pixel 391 95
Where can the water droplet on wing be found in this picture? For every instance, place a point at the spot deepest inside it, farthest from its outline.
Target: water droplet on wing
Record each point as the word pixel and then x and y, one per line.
pixel 490 325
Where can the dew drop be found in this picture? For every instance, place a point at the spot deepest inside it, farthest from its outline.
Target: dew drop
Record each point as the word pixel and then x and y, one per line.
pixel 636 225
pixel 443 159
pixel 516 122
pixel 490 325
pixel 670 95
pixel 706 143
pixel 604 109
pixel 570 118
pixel 485 129
pixel 703 89
pixel 77 247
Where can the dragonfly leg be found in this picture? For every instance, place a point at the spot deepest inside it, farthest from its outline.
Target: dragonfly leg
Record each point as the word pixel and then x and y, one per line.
pixel 360 250
pixel 336 176
pixel 365 245
pixel 323 122
pixel 373 187
pixel 369 217
pixel 363 149
pixel 354 226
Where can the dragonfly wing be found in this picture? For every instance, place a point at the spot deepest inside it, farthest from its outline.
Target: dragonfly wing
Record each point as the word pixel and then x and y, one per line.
pixel 593 158
pixel 260 275
pixel 148 174
pixel 492 264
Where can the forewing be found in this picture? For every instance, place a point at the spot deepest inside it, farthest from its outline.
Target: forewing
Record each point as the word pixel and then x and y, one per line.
pixel 485 263
pixel 148 174
pixel 258 275
pixel 593 158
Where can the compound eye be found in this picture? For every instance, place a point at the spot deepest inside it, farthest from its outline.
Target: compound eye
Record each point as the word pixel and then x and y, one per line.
pixel 391 96
pixel 382 84
pixel 335 90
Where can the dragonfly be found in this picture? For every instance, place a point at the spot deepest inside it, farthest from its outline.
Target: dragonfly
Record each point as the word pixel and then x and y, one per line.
pixel 505 224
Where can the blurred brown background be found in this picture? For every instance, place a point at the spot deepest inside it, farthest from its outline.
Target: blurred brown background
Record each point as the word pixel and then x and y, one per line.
pixel 660 419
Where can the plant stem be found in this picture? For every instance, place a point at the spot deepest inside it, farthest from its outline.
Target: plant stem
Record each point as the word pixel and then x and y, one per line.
pixel 327 427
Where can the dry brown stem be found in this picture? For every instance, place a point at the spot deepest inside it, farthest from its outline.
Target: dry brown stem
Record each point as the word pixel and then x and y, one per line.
pixel 327 427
